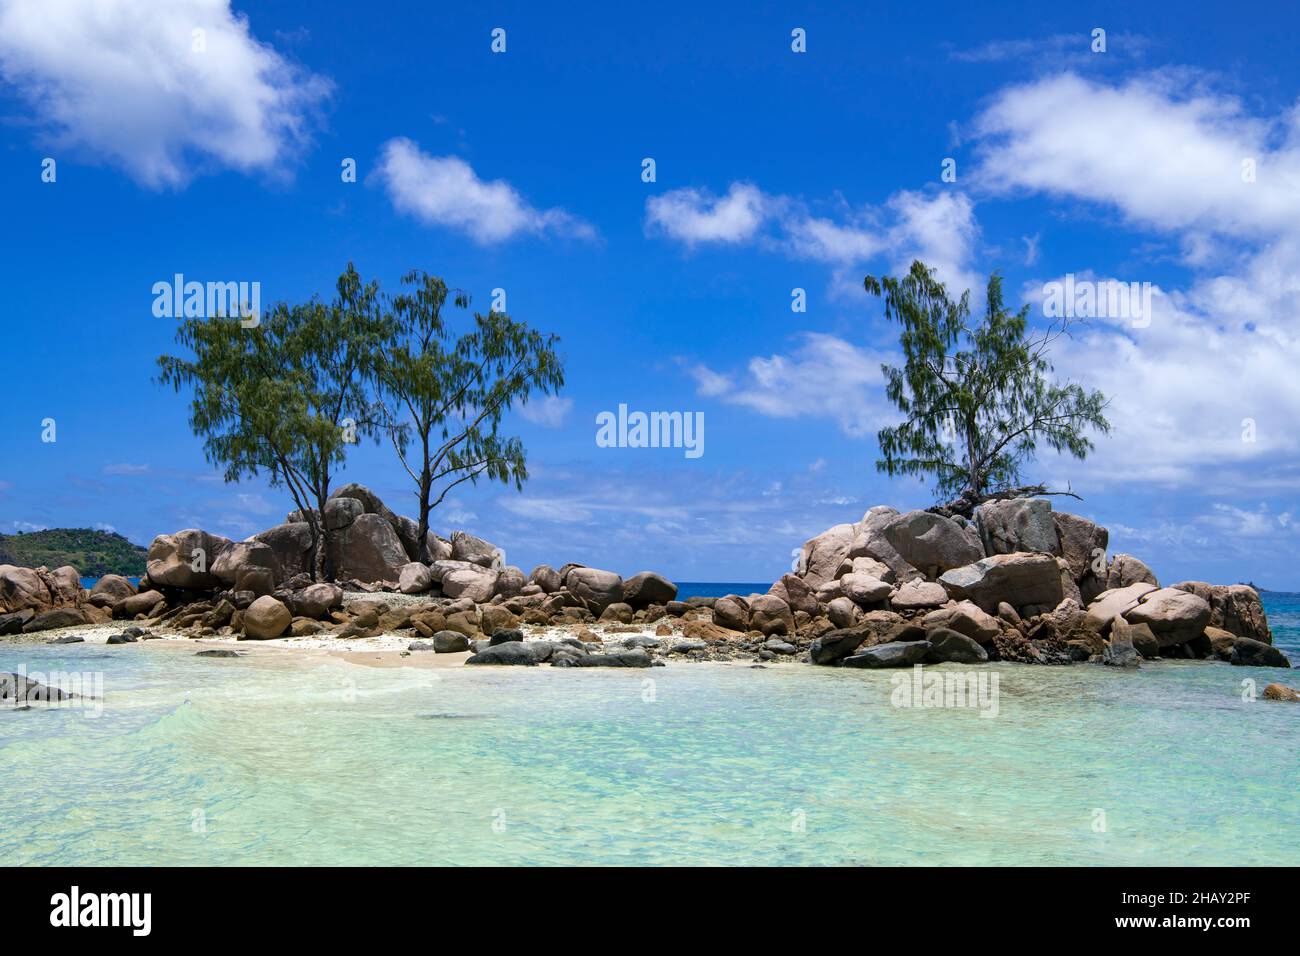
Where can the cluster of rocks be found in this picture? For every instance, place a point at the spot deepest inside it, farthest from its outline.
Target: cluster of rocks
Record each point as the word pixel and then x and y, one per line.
pixel 204 585
pixel 1018 582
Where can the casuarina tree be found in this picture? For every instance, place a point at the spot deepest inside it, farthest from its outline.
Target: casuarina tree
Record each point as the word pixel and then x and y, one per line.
pixel 445 390
pixel 976 395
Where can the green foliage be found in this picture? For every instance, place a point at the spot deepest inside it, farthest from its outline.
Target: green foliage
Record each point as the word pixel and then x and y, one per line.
pixel 286 396
pixel 92 553
pixel 444 392
pixel 977 399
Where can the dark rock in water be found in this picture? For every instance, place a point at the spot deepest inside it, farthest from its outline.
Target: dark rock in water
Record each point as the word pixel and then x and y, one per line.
pixel 836 645
pixel 218 652
pixel 16 687
pixel 632 658
pixel 766 655
pixel 525 653
pixel 780 647
pixel 505 635
pixel 949 646
pixel 1248 652
pixel 121 639
pixel 1120 653
pixel 68 639
pixel 893 654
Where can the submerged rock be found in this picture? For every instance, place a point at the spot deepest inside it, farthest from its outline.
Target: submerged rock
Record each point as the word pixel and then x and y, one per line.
pixel 893 654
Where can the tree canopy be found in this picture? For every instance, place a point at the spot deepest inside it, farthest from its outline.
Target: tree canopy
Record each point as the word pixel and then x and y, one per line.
pixel 286 396
pixel 444 392
pixel 976 397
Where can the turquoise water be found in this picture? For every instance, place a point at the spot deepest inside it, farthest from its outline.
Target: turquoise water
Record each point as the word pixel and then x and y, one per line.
pixel 286 759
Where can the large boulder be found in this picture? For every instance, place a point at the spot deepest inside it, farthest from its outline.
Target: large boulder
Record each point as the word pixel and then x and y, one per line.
pixel 1106 605
pixel 143 603
pixel 266 618
pixel 1017 524
pixel 950 647
pixel 1083 543
pixel 414 578
pixel 835 645
pixel 870 541
pixel 797 593
pixel 242 555
pixel 595 588
pixel 770 615
pixel 1174 616
pixel 341 512
pixel 546 578
pixel 55 617
pixel 64 585
pixel 368 550
pixel 842 612
pixel 1020 579
pixel 1236 608
pixel 510 581
pixel 892 654
pixel 964 618
pixel 291 545
pixel 919 595
pixel 1125 569
pixel 467 547
pixel 932 543
pixel 317 600
pixel 821 556
pixel 471 581
pixel 1250 653
pixel 185 559
pixel 646 588
pixel 732 612
pixel 114 587
pixel 863 589
pixel 23 588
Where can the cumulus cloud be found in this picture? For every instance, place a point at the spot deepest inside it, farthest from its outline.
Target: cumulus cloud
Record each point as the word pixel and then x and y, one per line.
pixel 1165 159
pixel 825 376
pixel 131 84
pixel 1203 394
pixel 939 228
pixel 445 191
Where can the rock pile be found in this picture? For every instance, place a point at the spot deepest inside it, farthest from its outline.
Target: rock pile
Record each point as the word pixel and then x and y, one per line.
pixel 204 585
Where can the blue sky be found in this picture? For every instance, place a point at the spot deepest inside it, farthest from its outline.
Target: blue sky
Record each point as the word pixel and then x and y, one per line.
pixel 775 170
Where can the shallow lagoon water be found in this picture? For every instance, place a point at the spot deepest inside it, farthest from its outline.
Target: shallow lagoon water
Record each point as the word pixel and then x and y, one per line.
pixel 288 758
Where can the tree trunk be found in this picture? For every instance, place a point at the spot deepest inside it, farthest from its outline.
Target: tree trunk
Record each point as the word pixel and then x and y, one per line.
pixel 426 483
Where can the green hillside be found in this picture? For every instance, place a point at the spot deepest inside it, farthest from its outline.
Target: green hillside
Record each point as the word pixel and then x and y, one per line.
pixel 93 553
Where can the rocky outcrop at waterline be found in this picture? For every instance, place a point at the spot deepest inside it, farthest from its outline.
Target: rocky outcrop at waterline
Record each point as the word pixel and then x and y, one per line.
pixel 1019 582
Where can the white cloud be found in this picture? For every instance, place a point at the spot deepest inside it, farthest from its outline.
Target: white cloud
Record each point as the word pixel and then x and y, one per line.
pixel 121 81
pixel 1220 350
pixel 550 410
pixel 825 376
pixel 445 191
pixel 1164 158
pixel 125 468
pixel 938 228
pixel 693 215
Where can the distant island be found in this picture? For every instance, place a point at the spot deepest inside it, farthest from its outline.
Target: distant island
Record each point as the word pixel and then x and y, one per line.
pixel 93 553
